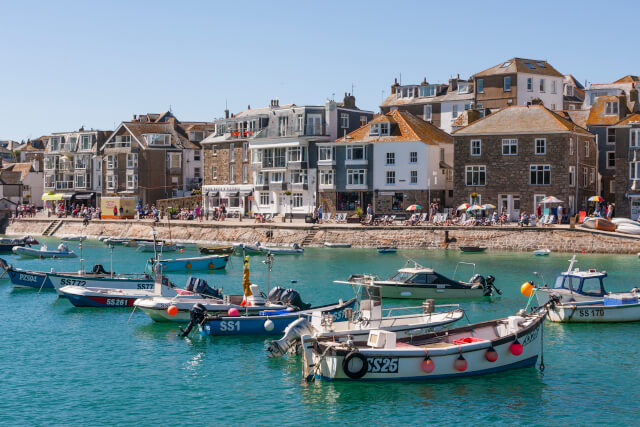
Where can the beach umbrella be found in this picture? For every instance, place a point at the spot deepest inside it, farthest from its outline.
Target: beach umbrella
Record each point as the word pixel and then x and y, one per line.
pixel 551 199
pixel 414 208
pixel 476 208
pixel 489 206
pixel 464 207
pixel 596 199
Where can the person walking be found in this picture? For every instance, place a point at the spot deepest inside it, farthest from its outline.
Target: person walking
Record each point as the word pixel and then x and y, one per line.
pixel 115 212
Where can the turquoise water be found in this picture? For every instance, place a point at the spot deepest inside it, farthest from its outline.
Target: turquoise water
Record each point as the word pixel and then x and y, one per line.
pixel 66 365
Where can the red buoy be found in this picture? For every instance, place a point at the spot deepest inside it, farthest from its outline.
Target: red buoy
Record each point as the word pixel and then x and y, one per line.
pixel 491 355
pixel 460 364
pixel 427 365
pixel 172 310
pixel 516 348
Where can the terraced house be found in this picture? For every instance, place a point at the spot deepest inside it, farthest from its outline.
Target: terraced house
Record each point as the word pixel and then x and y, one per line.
pixel 264 160
pixel 627 177
pixel 517 156
pixel 73 166
pixel 154 156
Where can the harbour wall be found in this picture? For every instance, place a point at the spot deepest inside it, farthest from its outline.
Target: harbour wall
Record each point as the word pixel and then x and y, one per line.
pixel 494 238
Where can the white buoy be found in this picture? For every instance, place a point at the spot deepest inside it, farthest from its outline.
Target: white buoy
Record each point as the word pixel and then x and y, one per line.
pixel 268 325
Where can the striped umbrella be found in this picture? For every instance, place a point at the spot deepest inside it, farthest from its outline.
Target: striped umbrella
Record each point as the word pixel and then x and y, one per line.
pixel 489 206
pixel 550 199
pixel 464 207
pixel 414 208
pixel 596 199
pixel 476 208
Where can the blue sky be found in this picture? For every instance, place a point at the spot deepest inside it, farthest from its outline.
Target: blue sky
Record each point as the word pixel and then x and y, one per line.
pixel 66 64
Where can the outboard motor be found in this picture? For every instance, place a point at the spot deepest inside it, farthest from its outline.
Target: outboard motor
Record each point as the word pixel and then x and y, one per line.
pixel 275 294
pixel 99 269
pixel 490 284
pixel 200 286
pixel 292 298
pixel 292 334
pixel 197 315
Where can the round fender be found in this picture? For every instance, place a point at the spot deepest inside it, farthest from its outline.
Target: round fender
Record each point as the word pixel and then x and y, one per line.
pixel 354 375
pixel 211 266
pixel 189 265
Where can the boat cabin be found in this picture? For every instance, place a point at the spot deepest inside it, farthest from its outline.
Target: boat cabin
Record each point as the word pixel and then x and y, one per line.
pixel 588 283
pixel 420 276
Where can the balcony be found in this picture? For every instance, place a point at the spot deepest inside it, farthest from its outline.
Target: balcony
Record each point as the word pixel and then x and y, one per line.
pixel 65 166
pixel 358 162
pixel 300 186
pixel 64 185
pixel 277 186
pixel 297 165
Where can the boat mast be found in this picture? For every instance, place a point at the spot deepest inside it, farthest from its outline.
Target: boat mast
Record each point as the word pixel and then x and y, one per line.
pixel 81 259
pixel 111 265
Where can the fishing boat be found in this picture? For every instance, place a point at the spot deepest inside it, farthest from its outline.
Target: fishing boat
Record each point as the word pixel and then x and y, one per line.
pixel 246 248
pixel 542 252
pixel 7 244
pixel 62 251
pixel 387 249
pixel 21 278
pixel 73 238
pixel 369 315
pixel 336 245
pixel 419 282
pixel 116 240
pixel 618 307
pixel 573 285
pixel 472 249
pixel 216 250
pixel 208 262
pixel 159 247
pixel 294 249
pixel 477 349
pixel 101 279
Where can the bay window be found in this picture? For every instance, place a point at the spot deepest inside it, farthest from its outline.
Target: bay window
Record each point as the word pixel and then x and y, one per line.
pixel 356 176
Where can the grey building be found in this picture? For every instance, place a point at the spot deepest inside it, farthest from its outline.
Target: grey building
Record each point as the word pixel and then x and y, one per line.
pixel 627 177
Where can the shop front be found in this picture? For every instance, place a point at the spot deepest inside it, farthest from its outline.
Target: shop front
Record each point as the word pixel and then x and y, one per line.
pixel 236 199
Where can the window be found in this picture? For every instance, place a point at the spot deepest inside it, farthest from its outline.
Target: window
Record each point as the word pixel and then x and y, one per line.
pixel 480 85
pixel 428 90
pixel 541 64
pixel 442 154
pixel 279 156
pixel 379 129
pixel 507 84
pixel 592 176
pixel 541 146
pixel 297 154
pixel 571 146
pixel 572 176
pixel 327 177
pixel 81 162
pixel 85 142
pixel 232 174
pixel 112 182
pixel 391 177
pixel 314 124
pixel 540 174
pixel 49 181
pixel 112 161
pixel 232 153
pixel 413 177
pixel 175 160
pixel 277 177
pixel 132 161
pixel 356 152
pixel 463 87
pixel 428 109
pixel 81 181
pixel 297 200
pixel 413 157
pixel 509 147
pixel 299 176
pixel 196 172
pixel 612 186
pixel 553 86
pixel 530 84
pixel 325 154
pixel 300 123
pixel 158 139
pixel 245 173
pixel 611 108
pixel 454 111
pixel 344 120
pixel 476 147
pixel 391 158
pixel 54 143
pixel 552 106
pixel 363 120
pixel 245 151
pixel 476 175
pixel 196 136
pixel 634 138
pixel 530 65
pixel 356 176
pixel 49 162
pixel 541 85
pixel 214 172
pixel 214 150
pixel 585 177
pixel 611 136
pixel 132 181
pixel 256 156
pixel 506 64
pixel 569 90
pixel 196 155
pixel 586 148
pixel 262 178
pixel 264 199
pixel 283 123
pixel 611 159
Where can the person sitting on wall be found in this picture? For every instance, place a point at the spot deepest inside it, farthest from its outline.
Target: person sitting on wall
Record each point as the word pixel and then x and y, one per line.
pixel 524 219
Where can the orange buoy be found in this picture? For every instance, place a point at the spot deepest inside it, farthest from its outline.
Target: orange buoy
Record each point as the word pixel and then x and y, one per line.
pixel 527 289
pixel 491 355
pixel 427 365
pixel 211 266
pixel 172 310
pixel 189 265
pixel 460 364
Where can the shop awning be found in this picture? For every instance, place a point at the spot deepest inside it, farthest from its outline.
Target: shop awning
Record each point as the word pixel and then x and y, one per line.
pixel 443 165
pixel 67 196
pixel 54 196
pixel 212 194
pixel 233 194
pixel 246 193
pixel 84 196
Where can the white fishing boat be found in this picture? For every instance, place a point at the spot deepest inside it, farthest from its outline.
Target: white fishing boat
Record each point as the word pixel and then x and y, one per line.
pixel 619 307
pixel 206 262
pixel 246 248
pixel 477 349
pixel 294 249
pixel 542 252
pixel 73 238
pixel 43 252
pixel 369 315
pixel 418 282
pixel 159 247
pixel 618 221
pixel 100 280
pixel 336 245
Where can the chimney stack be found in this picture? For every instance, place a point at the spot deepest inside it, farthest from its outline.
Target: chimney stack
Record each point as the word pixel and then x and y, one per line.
pixel 135 117
pixel 226 113
pixel 394 85
pixel 349 101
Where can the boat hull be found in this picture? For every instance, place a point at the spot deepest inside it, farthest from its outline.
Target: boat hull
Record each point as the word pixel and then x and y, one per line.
pixel 417 292
pixel 29 279
pixel 37 253
pixel 59 281
pixel 103 298
pixel 256 325
pixel 596 313
pixel 337 245
pixel 221 250
pixel 211 262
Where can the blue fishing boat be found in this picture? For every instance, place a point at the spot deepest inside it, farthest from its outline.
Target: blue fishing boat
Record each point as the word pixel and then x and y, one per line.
pixel 208 262
pixel 21 278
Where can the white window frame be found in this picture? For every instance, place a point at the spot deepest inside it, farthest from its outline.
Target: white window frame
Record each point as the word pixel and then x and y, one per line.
pixel 585 177
pixel 571 146
pixel 356 177
pixel 350 149
pixel 529 84
pixel 297 200
pixel 379 129
pixel 586 148
pixel 428 113
pixel 112 161
pixel 471 170
pixel 390 158
pixel 232 173
pixel 245 173
pixel 84 180
pixel 327 177
pixel 543 145
pixel 276 177
pixel 132 181
pixel 363 120
pixel 572 176
pixel 542 88
pixel 112 181
pixel 171 156
pixel 84 138
pixel 634 137
pixel 161 139
pixel 390 177
pixel 232 152
pixel 413 157
pixel 608 165
pixel 214 172
pixel 611 108
pixel 413 177
pixel 509 143
pixel 132 160
pixel 553 86
pixel 327 153
pixel 454 111
pixel 475 147
pixel 344 120
pixel 298 176
pixel 537 169
pixel 265 198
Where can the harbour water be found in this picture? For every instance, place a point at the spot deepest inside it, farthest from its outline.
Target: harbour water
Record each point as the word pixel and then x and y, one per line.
pixel 66 365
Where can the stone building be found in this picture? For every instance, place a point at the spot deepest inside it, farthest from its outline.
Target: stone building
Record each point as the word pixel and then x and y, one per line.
pixel 394 161
pixel 519 155
pixel 627 177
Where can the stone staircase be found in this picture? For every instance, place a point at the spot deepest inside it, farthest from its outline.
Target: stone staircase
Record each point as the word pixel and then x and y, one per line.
pixel 52 228
pixel 309 237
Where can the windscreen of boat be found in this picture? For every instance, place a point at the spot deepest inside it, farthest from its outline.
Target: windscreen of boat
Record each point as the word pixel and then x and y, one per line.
pixel 592 286
pixel 401 277
pixel 567 282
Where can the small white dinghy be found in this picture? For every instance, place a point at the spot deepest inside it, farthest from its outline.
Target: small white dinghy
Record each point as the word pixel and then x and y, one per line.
pixel 542 252
pixel 618 307
pixel 628 228
pixel 336 245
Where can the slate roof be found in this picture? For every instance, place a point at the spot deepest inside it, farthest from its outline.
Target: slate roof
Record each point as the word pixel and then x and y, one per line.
pixel 404 127
pixel 521 119
pixel 22 168
pixel 179 137
pixel 519 65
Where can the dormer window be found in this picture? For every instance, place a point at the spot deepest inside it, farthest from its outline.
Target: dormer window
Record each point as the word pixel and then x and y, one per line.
pixel 611 108
pixel 463 87
pixel 196 136
pixel 428 90
pixel 569 90
pixel 158 139
pixel 379 129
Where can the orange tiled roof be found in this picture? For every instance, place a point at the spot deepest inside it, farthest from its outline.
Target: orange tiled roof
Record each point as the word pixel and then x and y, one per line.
pixel 22 168
pixel 579 117
pixel 519 65
pixel 408 128
pixel 597 114
pixel 628 79
pixel 629 119
pixel 521 119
